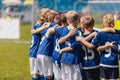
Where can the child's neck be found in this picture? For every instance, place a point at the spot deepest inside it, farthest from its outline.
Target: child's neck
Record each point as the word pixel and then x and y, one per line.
pixel 71 26
pixel 88 31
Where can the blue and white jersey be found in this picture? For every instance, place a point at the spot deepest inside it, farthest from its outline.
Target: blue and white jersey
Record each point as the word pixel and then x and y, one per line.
pixel 72 57
pixel 58 34
pixel 90 56
pixel 34 43
pixel 46 45
pixel 109 57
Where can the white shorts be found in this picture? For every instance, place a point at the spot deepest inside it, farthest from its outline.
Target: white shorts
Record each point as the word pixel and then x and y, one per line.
pixel 33 66
pixel 57 71
pixel 71 72
pixel 45 65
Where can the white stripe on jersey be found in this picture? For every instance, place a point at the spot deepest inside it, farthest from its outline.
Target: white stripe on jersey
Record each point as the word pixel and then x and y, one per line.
pixel 110 66
pixel 90 67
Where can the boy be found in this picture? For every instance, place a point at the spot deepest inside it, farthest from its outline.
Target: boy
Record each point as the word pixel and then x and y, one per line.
pixel 108 58
pixel 56 56
pixel 34 44
pixel 90 63
pixel 70 60
pixel 45 50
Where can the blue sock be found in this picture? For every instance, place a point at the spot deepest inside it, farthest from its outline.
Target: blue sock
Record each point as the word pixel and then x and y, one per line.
pixel 34 78
pixel 41 77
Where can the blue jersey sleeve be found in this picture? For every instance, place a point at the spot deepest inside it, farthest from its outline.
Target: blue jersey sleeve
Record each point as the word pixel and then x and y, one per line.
pixel 96 40
pixel 58 31
pixel 51 36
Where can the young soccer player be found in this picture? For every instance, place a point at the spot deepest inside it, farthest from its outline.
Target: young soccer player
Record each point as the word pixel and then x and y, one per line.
pixel 45 51
pixel 56 57
pixel 34 44
pixel 70 60
pixel 90 63
pixel 108 58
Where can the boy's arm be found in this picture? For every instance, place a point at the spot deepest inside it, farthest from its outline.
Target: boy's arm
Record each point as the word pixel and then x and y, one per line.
pixel 108 30
pixel 38 30
pixel 67 49
pixel 63 39
pixel 107 46
pixel 89 45
pixel 90 36
pixel 49 31
pixel 102 48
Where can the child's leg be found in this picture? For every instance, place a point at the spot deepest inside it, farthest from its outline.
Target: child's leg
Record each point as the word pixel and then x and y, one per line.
pixel 70 72
pixel 34 68
pixel 35 77
pixel 47 67
pixel 39 61
pixel 57 71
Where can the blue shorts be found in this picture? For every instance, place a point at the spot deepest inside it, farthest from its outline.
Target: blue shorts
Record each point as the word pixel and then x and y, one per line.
pixel 91 74
pixel 109 73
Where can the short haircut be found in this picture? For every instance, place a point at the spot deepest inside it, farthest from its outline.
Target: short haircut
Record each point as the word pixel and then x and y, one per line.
pixel 50 17
pixel 88 21
pixel 57 19
pixel 108 20
pixel 63 18
pixel 72 16
pixel 43 11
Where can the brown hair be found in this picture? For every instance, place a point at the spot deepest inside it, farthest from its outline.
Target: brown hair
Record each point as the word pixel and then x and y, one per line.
pixel 63 19
pixel 71 16
pixel 88 21
pixel 57 19
pixel 50 17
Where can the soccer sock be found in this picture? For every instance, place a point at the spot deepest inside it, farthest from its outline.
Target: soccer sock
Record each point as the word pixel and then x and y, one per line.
pixel 34 78
pixel 52 78
pixel 41 77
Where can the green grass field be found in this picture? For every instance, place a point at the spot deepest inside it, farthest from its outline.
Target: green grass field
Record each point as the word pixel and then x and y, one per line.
pixel 14 60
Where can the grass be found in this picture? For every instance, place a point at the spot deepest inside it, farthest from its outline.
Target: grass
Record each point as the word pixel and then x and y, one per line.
pixel 14 61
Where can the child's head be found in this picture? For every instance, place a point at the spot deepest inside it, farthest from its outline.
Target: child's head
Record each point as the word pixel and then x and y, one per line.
pixel 63 19
pixel 54 12
pixel 87 21
pixel 42 19
pixel 72 18
pixel 43 11
pixel 57 19
pixel 50 17
pixel 108 20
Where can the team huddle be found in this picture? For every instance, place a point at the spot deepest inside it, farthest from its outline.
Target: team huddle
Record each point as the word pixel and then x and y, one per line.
pixel 59 50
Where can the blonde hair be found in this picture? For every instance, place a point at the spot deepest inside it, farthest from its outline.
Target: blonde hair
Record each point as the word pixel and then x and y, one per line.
pixel 43 11
pixel 88 21
pixel 71 16
pixel 108 20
